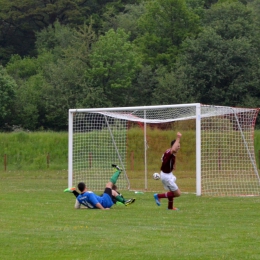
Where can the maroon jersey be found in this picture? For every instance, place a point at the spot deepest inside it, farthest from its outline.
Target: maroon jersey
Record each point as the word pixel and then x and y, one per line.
pixel 168 161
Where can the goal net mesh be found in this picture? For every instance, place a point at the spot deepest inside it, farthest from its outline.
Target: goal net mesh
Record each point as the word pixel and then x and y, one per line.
pixel 136 138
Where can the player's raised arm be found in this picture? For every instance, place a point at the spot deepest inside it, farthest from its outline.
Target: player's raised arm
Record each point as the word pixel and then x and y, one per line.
pixel 176 146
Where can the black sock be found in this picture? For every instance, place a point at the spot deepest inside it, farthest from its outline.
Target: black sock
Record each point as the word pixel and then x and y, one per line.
pixel 76 194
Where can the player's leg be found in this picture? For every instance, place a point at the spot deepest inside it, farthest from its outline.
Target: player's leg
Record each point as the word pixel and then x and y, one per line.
pixel 170 202
pixel 173 192
pixel 114 187
pixel 72 190
pixel 164 180
pixel 115 193
pixel 169 183
pixel 109 186
pixel 114 177
pixel 119 198
pixel 171 195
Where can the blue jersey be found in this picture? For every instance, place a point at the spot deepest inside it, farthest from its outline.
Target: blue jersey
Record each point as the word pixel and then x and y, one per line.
pixel 90 199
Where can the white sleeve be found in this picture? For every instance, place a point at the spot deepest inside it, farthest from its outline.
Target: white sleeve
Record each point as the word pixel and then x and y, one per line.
pixel 77 204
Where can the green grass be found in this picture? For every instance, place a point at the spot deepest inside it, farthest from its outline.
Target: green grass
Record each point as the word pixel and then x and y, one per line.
pixel 29 151
pixel 38 222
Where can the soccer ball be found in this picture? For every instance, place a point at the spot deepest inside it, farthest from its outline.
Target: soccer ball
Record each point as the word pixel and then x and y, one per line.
pixel 156 176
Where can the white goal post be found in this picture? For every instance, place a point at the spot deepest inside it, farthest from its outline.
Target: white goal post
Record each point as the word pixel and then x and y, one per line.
pixel 217 156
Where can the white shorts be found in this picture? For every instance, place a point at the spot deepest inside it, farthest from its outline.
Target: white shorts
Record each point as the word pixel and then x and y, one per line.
pixel 168 181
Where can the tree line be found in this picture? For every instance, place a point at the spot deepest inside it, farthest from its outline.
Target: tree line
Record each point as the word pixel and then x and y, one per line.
pixel 62 54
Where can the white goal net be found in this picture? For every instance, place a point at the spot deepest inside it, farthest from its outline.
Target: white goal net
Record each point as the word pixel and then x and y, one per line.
pixel 216 158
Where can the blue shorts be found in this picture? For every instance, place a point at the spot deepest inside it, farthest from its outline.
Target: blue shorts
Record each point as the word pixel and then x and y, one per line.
pixel 107 201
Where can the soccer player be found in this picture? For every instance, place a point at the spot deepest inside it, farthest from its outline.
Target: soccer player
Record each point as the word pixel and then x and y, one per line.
pixel 167 177
pixel 93 201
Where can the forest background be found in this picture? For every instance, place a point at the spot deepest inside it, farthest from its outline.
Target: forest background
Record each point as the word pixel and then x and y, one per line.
pixel 62 54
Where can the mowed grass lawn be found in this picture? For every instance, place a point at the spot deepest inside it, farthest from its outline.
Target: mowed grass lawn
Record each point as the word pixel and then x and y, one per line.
pixel 38 221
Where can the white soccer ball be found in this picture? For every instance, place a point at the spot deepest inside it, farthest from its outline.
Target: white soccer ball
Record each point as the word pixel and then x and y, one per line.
pixel 156 176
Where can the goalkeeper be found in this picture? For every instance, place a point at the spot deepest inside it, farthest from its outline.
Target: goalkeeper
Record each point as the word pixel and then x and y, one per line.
pixel 167 177
pixel 105 201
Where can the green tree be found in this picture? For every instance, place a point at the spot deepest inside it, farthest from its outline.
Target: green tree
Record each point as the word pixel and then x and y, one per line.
pixel 165 24
pixel 55 39
pixel 54 81
pixel 230 20
pixel 66 86
pixel 218 71
pixel 220 66
pixel 28 109
pixel 20 20
pixel 7 97
pixel 29 105
pixel 22 68
pixel 167 91
pixel 127 19
pixel 113 66
pixel 141 91
pixel 254 6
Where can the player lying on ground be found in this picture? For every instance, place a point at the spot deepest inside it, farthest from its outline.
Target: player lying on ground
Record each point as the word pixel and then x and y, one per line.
pixel 167 177
pixel 118 199
pixel 91 200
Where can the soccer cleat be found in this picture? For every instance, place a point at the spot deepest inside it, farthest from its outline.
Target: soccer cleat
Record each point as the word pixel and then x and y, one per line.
pixel 157 200
pixel 174 208
pixel 70 189
pixel 130 201
pixel 117 167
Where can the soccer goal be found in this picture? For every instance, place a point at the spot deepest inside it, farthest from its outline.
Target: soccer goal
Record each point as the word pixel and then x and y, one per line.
pixel 216 158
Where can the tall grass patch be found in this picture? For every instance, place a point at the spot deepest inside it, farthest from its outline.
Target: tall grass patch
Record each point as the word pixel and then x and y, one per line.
pixel 29 151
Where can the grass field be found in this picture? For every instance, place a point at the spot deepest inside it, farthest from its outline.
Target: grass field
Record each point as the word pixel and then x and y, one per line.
pixel 38 222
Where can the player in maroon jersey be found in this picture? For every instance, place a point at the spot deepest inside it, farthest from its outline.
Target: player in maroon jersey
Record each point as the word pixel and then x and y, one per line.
pixel 167 177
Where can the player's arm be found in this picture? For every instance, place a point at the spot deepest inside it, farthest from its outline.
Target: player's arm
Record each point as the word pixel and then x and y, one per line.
pixel 77 205
pixel 176 145
pixel 99 206
pixel 94 201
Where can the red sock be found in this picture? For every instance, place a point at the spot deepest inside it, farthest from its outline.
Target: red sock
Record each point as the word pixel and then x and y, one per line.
pixel 170 203
pixel 170 194
pixel 162 195
pixel 166 195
